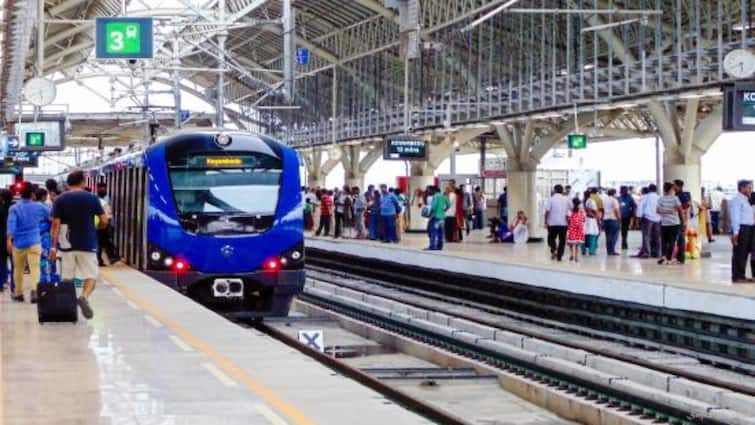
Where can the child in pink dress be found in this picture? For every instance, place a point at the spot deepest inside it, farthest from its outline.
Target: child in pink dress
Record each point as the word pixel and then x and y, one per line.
pixel 575 235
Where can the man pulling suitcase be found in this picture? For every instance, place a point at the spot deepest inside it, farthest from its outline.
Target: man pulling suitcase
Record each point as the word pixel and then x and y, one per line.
pixel 74 232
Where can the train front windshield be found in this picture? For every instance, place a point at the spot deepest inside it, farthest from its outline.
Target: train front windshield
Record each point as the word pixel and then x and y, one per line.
pixel 227 194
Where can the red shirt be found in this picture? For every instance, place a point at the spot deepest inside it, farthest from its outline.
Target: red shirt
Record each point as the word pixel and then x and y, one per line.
pixel 326 205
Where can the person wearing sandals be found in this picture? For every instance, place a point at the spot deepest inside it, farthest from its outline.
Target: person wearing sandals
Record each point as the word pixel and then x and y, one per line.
pixel 669 208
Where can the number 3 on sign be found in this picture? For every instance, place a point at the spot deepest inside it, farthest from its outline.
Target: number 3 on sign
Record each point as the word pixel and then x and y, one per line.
pixel 116 41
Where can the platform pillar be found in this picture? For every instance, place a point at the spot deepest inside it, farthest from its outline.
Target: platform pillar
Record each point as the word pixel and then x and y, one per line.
pixel 356 165
pixel 522 196
pixel 686 144
pixel 317 170
pixel 686 169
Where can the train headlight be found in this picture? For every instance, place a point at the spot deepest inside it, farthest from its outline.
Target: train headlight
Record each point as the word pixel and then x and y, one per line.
pixel 155 256
pixel 295 255
pixel 168 262
pixel 223 139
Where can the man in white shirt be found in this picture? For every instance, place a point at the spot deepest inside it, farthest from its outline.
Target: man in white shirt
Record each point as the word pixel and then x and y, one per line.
pixel 717 196
pixel 652 221
pixel 557 219
pixel 741 216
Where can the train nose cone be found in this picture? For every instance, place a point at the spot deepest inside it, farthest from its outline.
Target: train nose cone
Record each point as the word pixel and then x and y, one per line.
pixel 227 251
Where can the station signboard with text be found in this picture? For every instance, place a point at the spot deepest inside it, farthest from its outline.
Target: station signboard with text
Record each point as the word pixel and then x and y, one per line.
pixel 404 147
pixel 739 107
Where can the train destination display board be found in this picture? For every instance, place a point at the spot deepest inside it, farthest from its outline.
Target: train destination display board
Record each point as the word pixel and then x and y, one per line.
pixel 404 147
pixel 124 38
pixel 739 107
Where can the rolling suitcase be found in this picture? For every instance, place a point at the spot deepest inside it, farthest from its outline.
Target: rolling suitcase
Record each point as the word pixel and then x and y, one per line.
pixel 56 300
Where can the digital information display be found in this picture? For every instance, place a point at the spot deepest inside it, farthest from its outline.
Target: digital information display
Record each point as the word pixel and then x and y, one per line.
pixel 240 161
pixel 22 160
pixel 404 148
pixel 124 38
pixel 739 107
pixel 41 136
pixel 576 141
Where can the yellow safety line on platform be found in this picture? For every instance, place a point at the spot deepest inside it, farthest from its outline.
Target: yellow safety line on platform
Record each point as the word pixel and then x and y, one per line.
pixel 224 363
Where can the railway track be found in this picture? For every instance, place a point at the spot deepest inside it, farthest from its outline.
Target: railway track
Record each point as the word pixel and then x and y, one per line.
pixel 557 368
pixel 712 339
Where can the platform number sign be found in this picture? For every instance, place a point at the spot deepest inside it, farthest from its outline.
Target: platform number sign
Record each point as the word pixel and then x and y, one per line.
pixel 124 38
pixel 576 141
pixel 302 56
pixel 313 339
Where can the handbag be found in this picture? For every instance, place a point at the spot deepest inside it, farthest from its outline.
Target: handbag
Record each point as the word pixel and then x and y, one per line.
pixel 425 212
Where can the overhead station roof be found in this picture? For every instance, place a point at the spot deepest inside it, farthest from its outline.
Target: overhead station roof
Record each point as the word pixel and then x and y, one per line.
pixel 363 38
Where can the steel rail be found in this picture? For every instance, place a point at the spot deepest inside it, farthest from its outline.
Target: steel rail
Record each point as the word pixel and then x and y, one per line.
pixel 732 386
pixel 418 406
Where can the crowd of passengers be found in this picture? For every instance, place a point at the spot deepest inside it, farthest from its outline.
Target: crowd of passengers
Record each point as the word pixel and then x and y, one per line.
pixel 43 224
pixel 382 213
pixel 671 222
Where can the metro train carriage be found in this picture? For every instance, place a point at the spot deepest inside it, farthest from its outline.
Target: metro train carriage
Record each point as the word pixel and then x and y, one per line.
pixel 214 215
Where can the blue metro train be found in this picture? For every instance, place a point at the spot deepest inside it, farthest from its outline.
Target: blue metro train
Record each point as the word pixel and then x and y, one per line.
pixel 214 215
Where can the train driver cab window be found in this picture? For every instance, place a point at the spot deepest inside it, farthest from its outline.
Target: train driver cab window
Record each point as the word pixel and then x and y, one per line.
pixel 227 187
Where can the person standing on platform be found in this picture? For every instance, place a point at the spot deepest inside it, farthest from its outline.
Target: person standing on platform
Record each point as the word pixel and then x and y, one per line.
pixel 742 220
pixel 642 221
pixel 348 213
pixel 479 208
pixel 611 221
pixel 105 233
pixel 653 222
pixel 450 220
pixel 716 199
pixel 592 230
pixel 402 217
pixel 503 206
pixel 575 236
pixel 389 209
pixel 686 199
pixel 6 200
pixel 24 241
pixel 467 208
pixel 338 201
pixel 438 206
pixel 326 207
pixel 556 219
pixel 627 208
pixel 670 209
pixel 374 216
pixel 360 205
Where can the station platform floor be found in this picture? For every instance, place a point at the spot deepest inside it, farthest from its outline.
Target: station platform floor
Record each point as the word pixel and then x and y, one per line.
pixel 700 285
pixel 151 356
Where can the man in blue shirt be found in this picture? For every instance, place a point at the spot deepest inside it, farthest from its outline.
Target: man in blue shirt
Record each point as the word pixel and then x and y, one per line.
pixel 626 204
pixel 74 232
pixel 389 209
pixel 24 240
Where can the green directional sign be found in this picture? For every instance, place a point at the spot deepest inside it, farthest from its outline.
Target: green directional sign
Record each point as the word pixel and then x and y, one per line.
pixel 35 139
pixel 576 141
pixel 124 38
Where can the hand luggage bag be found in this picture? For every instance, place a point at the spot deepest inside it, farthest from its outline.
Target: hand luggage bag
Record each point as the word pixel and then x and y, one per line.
pixel 56 300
